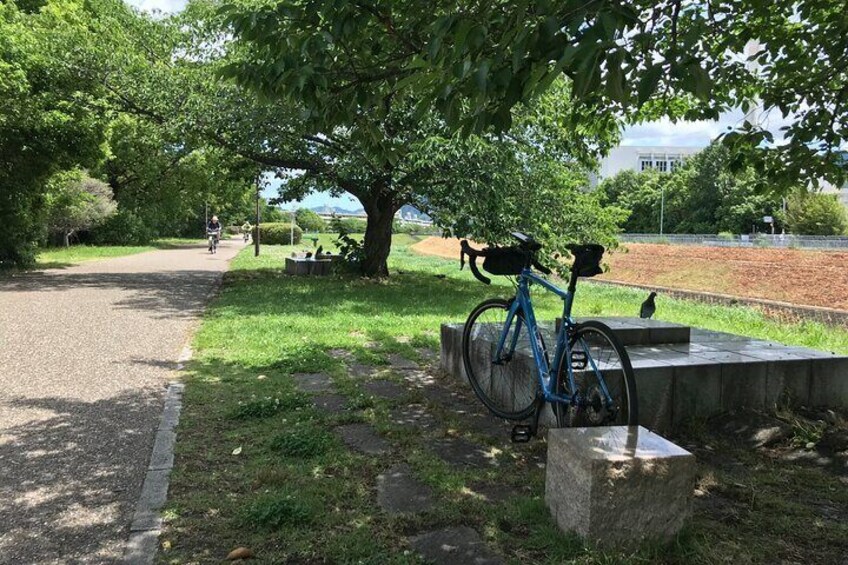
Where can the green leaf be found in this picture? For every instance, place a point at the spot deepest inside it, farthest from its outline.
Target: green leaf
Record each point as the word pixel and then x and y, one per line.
pixel 648 83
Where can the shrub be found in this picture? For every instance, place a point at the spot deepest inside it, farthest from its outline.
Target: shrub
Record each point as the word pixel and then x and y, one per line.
pixel 122 228
pixel 232 230
pixel 816 214
pixel 309 220
pixel 349 225
pixel 278 234
pixel 725 236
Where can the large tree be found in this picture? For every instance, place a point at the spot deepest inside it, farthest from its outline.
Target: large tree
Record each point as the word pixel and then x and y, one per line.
pixel 47 120
pixel 475 61
pixel 386 159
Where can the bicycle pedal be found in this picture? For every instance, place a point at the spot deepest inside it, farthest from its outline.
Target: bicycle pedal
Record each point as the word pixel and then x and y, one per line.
pixel 522 433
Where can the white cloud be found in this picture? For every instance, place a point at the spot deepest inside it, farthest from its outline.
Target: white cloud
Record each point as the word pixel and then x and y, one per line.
pixel 165 6
pixel 681 134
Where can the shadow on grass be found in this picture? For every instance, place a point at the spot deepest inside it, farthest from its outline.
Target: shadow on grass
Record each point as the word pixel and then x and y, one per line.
pixel 70 474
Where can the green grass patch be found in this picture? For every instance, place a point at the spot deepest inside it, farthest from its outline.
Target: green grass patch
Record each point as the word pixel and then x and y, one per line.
pixel 65 256
pixel 257 465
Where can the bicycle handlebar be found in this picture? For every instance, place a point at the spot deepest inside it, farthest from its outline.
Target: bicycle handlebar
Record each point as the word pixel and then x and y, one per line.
pixel 472 261
pixel 472 253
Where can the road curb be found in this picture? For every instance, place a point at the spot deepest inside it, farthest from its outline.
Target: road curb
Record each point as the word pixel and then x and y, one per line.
pixel 146 523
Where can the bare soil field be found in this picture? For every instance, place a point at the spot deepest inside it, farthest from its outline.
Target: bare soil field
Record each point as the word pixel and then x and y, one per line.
pixel 810 278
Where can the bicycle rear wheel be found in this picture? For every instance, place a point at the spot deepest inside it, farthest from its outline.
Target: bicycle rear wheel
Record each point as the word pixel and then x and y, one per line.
pixel 597 356
pixel 507 386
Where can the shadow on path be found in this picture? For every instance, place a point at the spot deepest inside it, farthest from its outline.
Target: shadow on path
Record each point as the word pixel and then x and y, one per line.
pixel 71 480
pixel 174 293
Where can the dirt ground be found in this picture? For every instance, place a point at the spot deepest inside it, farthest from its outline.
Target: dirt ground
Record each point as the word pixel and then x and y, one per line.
pixel 813 278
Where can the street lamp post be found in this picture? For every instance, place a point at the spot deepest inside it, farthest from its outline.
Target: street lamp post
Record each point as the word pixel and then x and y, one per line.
pixel 662 206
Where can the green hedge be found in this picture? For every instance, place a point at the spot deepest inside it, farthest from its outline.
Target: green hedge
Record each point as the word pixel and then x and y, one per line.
pixel 278 234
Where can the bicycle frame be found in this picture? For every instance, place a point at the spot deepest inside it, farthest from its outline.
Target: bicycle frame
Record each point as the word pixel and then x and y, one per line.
pixel 545 372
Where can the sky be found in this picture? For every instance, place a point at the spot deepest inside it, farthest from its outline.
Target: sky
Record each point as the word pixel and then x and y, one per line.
pixel 659 133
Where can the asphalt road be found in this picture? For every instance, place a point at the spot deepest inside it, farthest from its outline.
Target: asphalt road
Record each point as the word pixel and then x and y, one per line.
pixel 85 355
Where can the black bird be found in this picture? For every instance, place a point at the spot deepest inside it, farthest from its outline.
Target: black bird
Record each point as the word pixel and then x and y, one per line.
pixel 648 306
pixel 308 254
pixel 320 251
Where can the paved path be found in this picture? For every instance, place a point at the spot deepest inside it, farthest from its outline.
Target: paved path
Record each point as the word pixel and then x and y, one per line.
pixel 85 354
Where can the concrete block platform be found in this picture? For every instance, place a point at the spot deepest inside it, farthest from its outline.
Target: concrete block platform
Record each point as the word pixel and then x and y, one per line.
pixel 711 372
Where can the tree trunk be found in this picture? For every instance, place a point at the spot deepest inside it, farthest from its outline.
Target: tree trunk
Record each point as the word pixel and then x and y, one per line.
pixel 378 236
pixel 68 238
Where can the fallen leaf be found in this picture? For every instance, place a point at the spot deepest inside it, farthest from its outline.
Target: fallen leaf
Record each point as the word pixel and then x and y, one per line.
pixel 237 451
pixel 240 553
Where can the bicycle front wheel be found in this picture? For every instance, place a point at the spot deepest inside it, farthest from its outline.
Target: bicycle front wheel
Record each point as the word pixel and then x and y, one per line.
pixel 507 385
pixel 598 361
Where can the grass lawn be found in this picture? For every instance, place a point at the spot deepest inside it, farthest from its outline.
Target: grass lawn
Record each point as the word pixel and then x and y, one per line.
pixel 65 256
pixel 258 465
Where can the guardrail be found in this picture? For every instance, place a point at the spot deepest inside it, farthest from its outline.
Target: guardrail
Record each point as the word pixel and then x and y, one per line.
pixel 754 240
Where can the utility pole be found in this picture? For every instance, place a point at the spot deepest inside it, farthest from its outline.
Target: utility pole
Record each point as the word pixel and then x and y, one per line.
pixel 258 231
pixel 662 207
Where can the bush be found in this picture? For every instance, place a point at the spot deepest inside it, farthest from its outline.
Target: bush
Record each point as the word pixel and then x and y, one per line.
pixel 309 220
pixel 278 234
pixel 232 230
pixel 122 228
pixel 816 214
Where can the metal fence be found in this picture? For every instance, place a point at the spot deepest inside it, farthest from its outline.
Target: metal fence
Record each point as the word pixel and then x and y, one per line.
pixel 754 240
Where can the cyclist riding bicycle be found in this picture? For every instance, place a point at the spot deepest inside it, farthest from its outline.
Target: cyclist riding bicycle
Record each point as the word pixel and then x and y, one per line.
pixel 213 229
pixel 246 228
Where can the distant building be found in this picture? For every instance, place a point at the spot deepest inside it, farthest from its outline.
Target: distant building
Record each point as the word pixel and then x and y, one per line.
pixel 641 158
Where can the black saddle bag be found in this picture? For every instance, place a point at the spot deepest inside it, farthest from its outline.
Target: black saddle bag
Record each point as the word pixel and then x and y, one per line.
pixel 587 259
pixel 504 261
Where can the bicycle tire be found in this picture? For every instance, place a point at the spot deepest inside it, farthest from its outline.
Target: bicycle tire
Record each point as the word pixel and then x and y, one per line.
pixel 499 389
pixel 618 377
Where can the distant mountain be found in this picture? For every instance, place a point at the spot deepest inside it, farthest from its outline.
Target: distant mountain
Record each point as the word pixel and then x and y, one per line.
pixel 337 210
pixel 408 212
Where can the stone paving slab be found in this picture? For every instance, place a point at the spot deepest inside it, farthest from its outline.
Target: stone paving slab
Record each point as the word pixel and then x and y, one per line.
pixel 399 362
pixel 330 402
pixel 460 452
pixel 312 382
pixel 399 492
pixel 412 416
pixel 454 546
pixel 363 438
pixel 385 389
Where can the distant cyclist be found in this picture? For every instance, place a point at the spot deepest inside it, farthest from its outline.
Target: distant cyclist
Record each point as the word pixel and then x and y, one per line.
pixel 246 228
pixel 213 230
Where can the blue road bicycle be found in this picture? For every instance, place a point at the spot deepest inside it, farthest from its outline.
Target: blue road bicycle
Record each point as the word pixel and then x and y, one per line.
pixel 587 378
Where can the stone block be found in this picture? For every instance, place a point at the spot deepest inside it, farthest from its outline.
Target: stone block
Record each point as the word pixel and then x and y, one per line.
pixel 654 390
pixel 697 391
pixel 298 266
pixel 788 381
pixel 451 354
pixel 743 385
pixel 617 486
pixel 829 382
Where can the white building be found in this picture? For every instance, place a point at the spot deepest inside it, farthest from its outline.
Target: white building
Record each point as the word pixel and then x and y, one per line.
pixel 641 158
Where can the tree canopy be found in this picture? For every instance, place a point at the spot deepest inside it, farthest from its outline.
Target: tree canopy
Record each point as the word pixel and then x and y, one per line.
pixel 637 59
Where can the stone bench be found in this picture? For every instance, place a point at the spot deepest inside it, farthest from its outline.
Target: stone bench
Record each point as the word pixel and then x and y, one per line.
pixel 310 266
pixel 617 486
pixel 714 372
